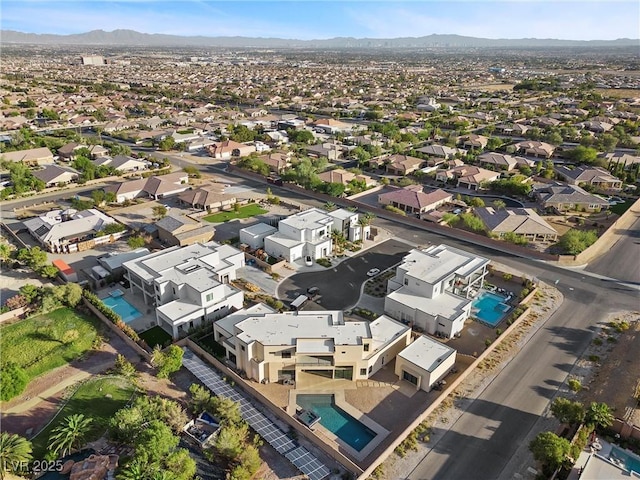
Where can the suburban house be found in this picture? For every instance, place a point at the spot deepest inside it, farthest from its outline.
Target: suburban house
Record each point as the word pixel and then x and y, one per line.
pixel 187 285
pixel 254 235
pixel 562 197
pixel 425 362
pixel 227 149
pixel 154 187
pixel 468 176
pixel 402 164
pixel 339 175
pixel 432 288
pixel 331 126
pixel 53 175
pixel 439 154
pixel 626 159
pixel 347 223
pixel 181 230
pixel 209 198
pixel 122 163
pixel 535 149
pixel 276 161
pixel 515 129
pixel 412 199
pixel 503 162
pixel 32 157
pixel 306 233
pixel 331 151
pixel 97 151
pixel 524 222
pixel 474 141
pixel 595 176
pixel 112 262
pixel 67 152
pixel 66 231
pixel 270 346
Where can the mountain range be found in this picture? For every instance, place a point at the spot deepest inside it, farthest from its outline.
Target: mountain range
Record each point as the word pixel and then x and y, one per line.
pixel 133 38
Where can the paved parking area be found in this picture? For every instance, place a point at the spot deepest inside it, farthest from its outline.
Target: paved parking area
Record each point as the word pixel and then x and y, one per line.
pixel 340 286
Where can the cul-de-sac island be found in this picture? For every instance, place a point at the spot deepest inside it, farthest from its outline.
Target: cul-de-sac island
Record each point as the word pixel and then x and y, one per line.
pixel 237 258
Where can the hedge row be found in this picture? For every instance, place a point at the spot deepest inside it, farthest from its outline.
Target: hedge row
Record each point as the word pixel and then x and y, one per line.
pixel 94 300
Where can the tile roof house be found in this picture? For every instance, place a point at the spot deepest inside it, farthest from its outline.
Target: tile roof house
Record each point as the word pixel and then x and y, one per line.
pixel 503 162
pixel 474 141
pixel 155 187
pixel 439 153
pixel 122 163
pixel 227 149
pixel 468 176
pixel 562 197
pixel 412 199
pixel 210 198
pixel 626 159
pixel 594 176
pixel 53 175
pixel 535 149
pixel 181 230
pixel 342 176
pixel 521 221
pixel 67 151
pixel 402 164
pixel 32 157
pixel 276 161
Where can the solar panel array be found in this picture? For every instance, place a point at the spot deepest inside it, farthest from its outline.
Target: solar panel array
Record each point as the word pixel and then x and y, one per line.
pixel 299 456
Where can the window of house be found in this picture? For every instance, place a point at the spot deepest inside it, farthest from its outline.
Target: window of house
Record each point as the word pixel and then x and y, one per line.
pixel 286 354
pixel 370 369
pixel 209 297
pixel 366 347
pixel 363 371
pixel 406 281
pixel 242 348
pixel 410 378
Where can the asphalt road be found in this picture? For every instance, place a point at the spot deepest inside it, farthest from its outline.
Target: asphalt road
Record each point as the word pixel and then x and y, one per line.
pixel 340 286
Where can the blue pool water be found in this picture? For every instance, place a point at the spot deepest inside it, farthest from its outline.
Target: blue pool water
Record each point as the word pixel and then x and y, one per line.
pixel 630 460
pixel 337 421
pixel 489 308
pixel 123 308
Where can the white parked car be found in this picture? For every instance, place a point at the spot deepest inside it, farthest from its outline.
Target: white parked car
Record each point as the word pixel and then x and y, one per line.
pixel 308 261
pixel 373 272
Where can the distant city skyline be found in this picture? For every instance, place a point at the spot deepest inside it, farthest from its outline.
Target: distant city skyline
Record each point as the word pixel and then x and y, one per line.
pixel 306 20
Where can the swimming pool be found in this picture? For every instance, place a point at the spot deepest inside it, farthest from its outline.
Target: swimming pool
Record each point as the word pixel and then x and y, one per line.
pixel 489 308
pixel 118 304
pixel 631 461
pixel 340 423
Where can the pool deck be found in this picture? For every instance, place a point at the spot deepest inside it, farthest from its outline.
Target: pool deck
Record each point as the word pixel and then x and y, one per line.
pixel 148 317
pixel 331 438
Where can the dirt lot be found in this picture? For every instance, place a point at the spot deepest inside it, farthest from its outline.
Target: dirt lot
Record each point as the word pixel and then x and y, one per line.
pixel 563 223
pixel 615 378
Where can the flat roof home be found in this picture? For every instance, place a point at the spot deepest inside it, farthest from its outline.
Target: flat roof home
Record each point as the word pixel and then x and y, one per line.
pixel 270 346
pixel 254 235
pixel 425 362
pixel 188 285
pixel 307 233
pixel 32 157
pixel 432 288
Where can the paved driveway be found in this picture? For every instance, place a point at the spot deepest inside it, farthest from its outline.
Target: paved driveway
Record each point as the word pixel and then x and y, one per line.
pixel 340 285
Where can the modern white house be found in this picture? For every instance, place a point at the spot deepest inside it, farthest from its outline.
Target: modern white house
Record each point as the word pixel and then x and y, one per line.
pixel 270 346
pixel 432 289
pixel 188 285
pixel 301 234
pixel 254 235
pixel 347 223
pixel 425 362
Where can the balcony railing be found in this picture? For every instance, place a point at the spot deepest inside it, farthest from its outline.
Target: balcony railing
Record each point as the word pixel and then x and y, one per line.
pixel 308 361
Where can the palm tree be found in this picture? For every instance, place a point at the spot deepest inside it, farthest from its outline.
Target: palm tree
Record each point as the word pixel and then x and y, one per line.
pixel 69 434
pixel 365 221
pixel 15 452
pixel 329 206
pixel 136 470
pixel 599 415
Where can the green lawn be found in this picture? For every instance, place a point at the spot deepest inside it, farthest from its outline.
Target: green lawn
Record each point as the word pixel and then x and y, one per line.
pixel 156 336
pixel 620 208
pixel 99 399
pixel 40 344
pixel 247 211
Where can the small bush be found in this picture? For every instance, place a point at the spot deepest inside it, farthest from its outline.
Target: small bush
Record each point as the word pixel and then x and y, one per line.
pixel 325 262
pixel 594 358
pixel 574 385
pixel 597 341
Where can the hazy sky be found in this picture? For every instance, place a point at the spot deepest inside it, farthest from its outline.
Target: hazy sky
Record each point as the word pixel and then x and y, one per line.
pixel 301 19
